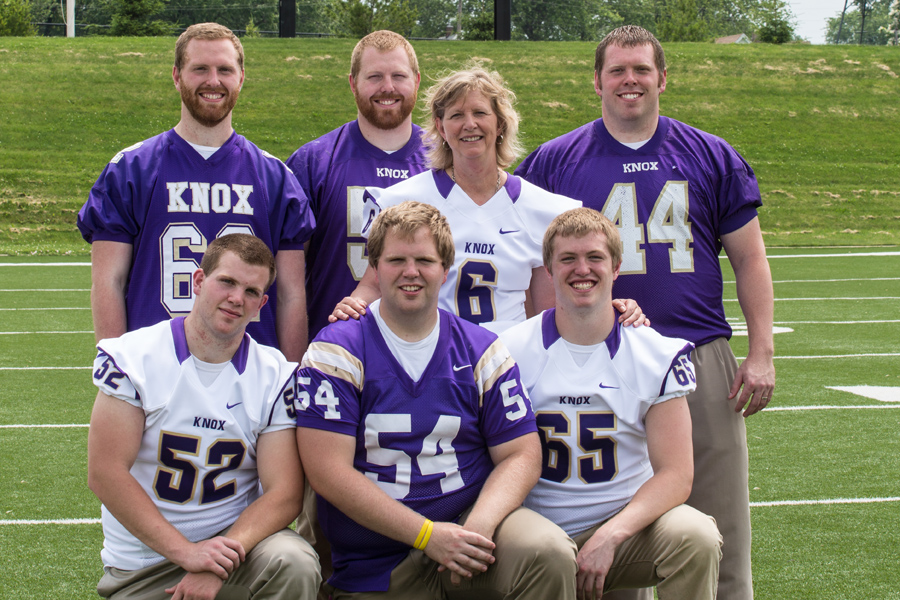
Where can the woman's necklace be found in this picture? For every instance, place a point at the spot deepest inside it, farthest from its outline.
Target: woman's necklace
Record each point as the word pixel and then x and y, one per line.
pixel 499 177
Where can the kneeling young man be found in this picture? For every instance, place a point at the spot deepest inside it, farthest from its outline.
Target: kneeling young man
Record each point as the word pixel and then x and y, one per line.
pixel 616 432
pixel 192 418
pixel 417 435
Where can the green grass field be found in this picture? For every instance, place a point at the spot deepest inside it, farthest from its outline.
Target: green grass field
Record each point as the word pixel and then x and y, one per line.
pixel 824 463
pixel 817 123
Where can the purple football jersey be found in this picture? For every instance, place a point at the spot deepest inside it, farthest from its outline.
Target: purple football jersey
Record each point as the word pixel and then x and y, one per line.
pixel 672 200
pixel 334 171
pixel 424 443
pixel 165 200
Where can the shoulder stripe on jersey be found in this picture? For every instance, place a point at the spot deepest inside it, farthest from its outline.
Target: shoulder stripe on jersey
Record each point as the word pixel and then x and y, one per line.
pixel 335 361
pixel 492 365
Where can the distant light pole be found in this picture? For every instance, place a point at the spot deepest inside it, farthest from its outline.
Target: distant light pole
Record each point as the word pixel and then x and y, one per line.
pixel 502 19
pixel 70 18
pixel 287 18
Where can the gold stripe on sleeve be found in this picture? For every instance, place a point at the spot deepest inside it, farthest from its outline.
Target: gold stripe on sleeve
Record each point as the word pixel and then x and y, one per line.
pixel 492 365
pixel 334 361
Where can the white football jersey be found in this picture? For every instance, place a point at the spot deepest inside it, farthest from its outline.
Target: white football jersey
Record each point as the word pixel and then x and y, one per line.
pixel 497 244
pixel 197 460
pixel 591 417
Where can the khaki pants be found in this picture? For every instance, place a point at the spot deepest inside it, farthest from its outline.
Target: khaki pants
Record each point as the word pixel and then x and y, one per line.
pixel 679 553
pixel 721 465
pixel 535 560
pixel 281 567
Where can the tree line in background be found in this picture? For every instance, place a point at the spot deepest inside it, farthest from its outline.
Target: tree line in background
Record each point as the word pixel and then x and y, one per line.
pixel 874 22
pixel 864 21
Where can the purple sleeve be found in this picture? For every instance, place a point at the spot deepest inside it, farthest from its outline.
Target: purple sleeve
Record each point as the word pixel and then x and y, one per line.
pixel 739 195
pixel 297 220
pixel 327 403
pixel 506 410
pixel 529 170
pixel 113 211
pixel 301 163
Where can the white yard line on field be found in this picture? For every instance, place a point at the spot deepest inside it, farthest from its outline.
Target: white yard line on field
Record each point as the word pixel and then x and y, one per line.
pixel 828 280
pixel 829 255
pixel 36 332
pixel 825 298
pixel 775 503
pixel 63 264
pixel 47 426
pixel 43 368
pixel 767 410
pixel 50 522
pixel 832 501
pixel 56 308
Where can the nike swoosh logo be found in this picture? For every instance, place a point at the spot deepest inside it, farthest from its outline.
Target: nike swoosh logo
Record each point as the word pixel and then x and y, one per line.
pixel 510 231
pixel 608 387
pixel 460 367
pixel 230 406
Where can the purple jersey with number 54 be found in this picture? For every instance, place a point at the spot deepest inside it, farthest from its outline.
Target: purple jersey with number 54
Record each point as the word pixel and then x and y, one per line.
pixel 672 200
pixel 164 199
pixel 423 443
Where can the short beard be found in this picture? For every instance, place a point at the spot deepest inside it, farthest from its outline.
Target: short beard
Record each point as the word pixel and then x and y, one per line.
pixel 385 119
pixel 208 116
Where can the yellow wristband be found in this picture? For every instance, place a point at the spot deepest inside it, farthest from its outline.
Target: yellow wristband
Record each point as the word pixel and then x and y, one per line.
pixel 424 535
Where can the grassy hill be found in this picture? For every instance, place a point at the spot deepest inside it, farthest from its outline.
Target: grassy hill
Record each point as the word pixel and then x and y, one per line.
pixel 819 124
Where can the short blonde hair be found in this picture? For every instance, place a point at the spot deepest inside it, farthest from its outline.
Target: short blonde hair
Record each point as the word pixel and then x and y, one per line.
pixel 580 222
pixel 206 31
pixel 405 219
pixel 383 41
pixel 453 88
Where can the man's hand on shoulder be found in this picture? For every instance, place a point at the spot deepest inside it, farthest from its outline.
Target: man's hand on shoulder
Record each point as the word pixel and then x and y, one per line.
pixel 219 556
pixel 347 308
pixel 631 313
pixel 196 586
pixel 464 553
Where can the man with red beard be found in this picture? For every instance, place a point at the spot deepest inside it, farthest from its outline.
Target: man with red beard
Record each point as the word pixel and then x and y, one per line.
pixel 380 148
pixel 159 202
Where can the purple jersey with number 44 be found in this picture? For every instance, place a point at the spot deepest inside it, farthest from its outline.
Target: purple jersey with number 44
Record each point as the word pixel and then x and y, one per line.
pixel 164 199
pixel 672 200
pixel 423 443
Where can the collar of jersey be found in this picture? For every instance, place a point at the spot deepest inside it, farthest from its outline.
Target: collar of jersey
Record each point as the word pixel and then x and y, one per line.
pixel 239 360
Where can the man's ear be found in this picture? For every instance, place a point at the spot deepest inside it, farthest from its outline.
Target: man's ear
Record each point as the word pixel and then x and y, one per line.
pixel 265 299
pixel 197 279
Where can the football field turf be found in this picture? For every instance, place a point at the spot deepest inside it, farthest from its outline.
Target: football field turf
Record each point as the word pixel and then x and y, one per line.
pixel 824 459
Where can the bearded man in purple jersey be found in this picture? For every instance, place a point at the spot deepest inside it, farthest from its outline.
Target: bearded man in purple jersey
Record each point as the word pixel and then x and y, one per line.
pixel 419 439
pixel 678 196
pixel 380 148
pixel 159 202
